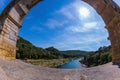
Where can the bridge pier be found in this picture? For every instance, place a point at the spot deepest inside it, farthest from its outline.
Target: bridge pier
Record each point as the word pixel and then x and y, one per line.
pixel 8 39
pixel 10 23
pixel 114 36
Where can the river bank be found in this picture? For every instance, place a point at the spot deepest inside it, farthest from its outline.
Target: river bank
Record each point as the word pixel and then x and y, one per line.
pixel 51 63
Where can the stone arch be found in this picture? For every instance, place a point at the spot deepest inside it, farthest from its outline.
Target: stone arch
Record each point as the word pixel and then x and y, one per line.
pixel 12 16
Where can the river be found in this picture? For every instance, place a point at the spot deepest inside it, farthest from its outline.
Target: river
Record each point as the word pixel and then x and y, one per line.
pixel 74 64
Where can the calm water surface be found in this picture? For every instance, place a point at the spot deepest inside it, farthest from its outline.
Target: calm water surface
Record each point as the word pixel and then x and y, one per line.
pixel 74 64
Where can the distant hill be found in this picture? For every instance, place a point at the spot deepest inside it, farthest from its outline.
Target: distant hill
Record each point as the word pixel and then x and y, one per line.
pixel 75 53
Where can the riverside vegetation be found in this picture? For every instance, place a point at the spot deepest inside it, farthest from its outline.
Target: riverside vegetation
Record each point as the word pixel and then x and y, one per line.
pixel 52 57
pixel 52 63
pixel 48 57
pixel 101 56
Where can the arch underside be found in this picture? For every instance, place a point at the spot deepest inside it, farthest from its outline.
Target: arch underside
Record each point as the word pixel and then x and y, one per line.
pixel 12 16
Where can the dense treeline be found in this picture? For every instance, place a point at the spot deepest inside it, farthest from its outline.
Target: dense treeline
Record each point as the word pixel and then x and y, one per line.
pixel 101 56
pixel 74 53
pixel 26 50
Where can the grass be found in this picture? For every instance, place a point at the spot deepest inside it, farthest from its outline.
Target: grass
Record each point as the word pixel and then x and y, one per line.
pixel 51 63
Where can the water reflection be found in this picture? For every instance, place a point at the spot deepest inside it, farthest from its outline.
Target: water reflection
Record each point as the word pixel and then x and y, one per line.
pixel 74 64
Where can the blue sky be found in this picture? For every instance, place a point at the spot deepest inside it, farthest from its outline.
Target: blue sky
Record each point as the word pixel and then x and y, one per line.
pixel 67 24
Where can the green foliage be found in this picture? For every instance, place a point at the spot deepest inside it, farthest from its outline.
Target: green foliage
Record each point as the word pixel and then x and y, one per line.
pixel 55 52
pixel 28 51
pixel 101 56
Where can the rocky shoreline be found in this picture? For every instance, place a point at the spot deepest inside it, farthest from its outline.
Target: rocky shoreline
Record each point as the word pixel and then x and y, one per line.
pixel 50 63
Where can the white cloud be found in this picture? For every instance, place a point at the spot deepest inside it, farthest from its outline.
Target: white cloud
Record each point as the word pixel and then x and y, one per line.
pixel 74 29
pixel 53 23
pixel 67 11
pixel 85 27
pixel 88 41
pixel 69 14
pixel 80 33
pixel 72 10
pixel 89 26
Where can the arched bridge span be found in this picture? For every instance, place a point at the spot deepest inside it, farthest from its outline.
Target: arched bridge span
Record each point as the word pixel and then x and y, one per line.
pixel 12 16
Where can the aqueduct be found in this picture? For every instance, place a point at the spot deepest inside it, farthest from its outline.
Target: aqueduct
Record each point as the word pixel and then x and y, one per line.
pixel 12 16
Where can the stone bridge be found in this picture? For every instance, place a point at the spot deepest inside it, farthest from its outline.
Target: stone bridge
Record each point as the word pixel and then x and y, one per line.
pixel 12 16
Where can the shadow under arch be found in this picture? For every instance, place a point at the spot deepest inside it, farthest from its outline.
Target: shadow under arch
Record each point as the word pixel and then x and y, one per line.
pixel 12 16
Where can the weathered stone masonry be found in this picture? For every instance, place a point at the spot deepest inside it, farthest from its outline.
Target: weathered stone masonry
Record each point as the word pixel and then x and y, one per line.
pixel 10 23
pixel 11 19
